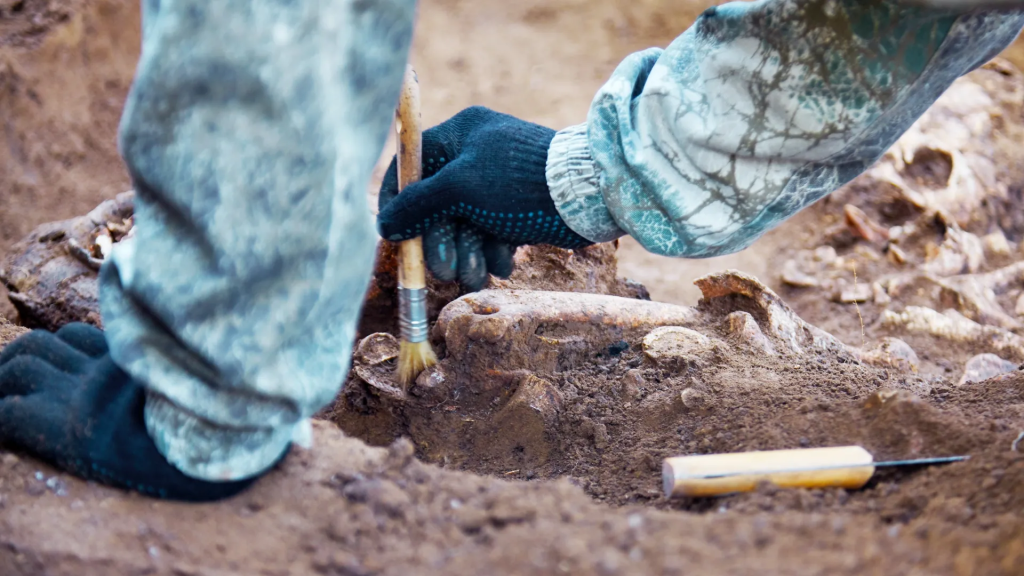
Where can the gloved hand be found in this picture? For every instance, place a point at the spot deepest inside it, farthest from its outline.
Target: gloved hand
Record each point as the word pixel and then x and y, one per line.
pixel 63 400
pixel 484 192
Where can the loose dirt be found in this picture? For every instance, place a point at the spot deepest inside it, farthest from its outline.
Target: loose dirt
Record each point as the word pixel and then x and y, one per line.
pixel 535 447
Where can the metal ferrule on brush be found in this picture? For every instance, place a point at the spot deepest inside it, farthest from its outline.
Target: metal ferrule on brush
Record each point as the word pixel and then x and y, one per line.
pixel 412 314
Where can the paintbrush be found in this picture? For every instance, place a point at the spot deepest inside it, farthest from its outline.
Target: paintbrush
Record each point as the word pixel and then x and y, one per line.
pixel 415 353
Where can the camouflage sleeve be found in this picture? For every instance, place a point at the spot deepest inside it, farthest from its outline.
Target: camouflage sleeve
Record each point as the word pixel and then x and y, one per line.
pixel 250 134
pixel 755 112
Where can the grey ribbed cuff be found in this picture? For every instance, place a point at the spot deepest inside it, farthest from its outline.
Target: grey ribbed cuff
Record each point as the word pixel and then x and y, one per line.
pixel 574 182
pixel 213 453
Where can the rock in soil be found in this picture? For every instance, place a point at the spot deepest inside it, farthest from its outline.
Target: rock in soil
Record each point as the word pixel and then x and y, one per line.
pixel 894 353
pixel 985 366
pixel 52 274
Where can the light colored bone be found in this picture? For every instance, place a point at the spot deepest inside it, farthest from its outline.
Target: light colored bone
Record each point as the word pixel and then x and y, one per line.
pixel 863 226
pixel 502 331
pixel 743 329
pixel 671 345
pixel 374 364
pixel 783 323
pixel 955 327
pixel 974 295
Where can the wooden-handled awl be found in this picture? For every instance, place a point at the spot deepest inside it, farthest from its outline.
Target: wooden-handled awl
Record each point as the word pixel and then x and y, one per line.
pixel 415 353
pixel 717 474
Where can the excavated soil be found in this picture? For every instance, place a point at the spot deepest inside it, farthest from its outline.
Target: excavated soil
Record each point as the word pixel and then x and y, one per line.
pixel 536 445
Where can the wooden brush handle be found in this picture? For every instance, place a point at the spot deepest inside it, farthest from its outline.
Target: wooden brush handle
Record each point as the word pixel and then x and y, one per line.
pixel 411 270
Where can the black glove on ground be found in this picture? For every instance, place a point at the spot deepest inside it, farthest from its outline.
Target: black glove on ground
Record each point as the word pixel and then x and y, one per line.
pixel 484 193
pixel 63 400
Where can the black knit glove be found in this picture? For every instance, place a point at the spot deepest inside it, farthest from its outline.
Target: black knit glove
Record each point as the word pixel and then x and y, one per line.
pixel 63 400
pixel 484 192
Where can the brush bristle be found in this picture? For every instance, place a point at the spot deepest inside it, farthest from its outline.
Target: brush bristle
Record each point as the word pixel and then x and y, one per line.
pixel 414 358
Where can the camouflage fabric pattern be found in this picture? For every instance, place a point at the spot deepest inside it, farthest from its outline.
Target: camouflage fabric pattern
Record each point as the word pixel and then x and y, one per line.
pixel 250 134
pixel 754 113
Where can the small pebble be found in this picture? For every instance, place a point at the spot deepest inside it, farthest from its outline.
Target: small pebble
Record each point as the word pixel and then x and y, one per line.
pixel 1019 308
pixel 35 489
pixel 629 388
pixel 744 329
pixel 693 398
pixel 896 254
pixel 984 367
pixel 57 486
pixel 825 254
pixel 892 353
pixel 996 244
pixel 863 226
pixel 881 295
pixel 858 293
pixel 793 276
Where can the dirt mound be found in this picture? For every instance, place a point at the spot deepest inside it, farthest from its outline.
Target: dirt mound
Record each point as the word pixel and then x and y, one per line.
pixel 545 386
pixel 348 509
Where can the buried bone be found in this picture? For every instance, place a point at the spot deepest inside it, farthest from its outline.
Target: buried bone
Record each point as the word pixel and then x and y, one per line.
pixel 510 330
pixel 782 321
pixel 671 345
pixel 955 327
pixel 743 329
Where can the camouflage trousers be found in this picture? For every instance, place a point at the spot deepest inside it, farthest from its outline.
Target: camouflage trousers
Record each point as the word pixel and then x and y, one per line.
pixel 250 134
